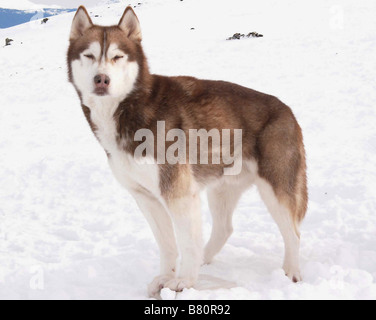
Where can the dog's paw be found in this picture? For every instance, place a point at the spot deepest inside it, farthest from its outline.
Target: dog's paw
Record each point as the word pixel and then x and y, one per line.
pixel 293 274
pixel 157 285
pixel 179 284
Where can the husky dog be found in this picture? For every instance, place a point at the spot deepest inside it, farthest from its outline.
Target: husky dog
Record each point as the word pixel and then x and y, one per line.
pixel 119 97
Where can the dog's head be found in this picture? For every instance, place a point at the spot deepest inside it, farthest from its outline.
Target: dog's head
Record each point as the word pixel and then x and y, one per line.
pixel 104 61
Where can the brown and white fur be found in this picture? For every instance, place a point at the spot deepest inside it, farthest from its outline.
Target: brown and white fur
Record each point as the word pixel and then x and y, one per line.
pixel 119 96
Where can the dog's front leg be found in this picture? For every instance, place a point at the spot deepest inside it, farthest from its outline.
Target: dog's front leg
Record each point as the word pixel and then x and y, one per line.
pixel 161 225
pixel 186 216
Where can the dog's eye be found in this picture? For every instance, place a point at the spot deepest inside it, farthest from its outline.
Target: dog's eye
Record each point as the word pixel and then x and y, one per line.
pixel 90 56
pixel 116 58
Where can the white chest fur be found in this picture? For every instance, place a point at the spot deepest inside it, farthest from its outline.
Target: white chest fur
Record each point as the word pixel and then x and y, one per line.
pixel 127 170
pixel 102 111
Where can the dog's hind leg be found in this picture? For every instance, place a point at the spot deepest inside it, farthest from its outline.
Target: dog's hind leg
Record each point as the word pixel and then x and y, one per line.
pixel 282 183
pixel 222 203
pixel 290 233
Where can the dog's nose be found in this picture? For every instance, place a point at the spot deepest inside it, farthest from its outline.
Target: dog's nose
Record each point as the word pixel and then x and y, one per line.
pixel 101 81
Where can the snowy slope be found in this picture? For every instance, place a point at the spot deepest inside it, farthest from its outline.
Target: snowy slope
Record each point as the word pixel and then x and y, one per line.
pixel 21 5
pixel 68 231
pixel 36 4
pixel 13 13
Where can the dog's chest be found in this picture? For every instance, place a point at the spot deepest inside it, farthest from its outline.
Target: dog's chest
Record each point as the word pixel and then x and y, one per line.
pixel 102 116
pixel 126 169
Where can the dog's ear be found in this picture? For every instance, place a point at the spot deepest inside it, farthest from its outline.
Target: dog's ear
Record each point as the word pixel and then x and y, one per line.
pixel 81 23
pixel 130 25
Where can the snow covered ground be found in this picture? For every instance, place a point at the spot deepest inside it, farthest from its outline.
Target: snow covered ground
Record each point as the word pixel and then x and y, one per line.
pixel 21 5
pixel 40 4
pixel 69 231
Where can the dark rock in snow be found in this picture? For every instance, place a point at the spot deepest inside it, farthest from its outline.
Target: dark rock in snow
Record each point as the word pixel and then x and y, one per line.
pixel 8 41
pixel 254 34
pixel 238 36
